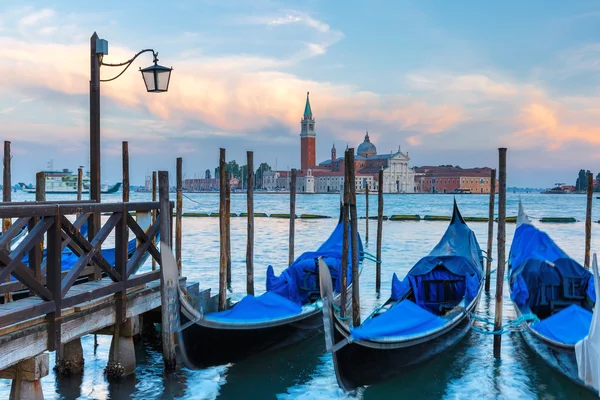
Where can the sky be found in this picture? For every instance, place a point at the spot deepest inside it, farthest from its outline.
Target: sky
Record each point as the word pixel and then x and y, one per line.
pixel 448 82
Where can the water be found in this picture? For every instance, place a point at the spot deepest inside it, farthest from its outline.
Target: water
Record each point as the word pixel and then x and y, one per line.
pixel 305 371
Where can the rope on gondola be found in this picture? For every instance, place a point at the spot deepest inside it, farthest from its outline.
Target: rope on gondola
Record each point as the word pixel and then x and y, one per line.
pixel 508 327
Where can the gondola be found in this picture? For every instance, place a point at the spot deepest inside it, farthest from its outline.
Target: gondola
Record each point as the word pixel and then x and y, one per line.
pixel 546 282
pixel 427 313
pixel 287 313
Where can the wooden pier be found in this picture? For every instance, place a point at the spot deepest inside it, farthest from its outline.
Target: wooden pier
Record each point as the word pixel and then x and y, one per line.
pixel 53 306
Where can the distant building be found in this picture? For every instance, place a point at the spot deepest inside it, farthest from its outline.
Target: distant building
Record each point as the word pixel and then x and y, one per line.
pixel 202 185
pixel 432 179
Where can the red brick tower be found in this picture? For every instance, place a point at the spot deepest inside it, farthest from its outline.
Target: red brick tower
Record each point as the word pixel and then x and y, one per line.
pixel 307 139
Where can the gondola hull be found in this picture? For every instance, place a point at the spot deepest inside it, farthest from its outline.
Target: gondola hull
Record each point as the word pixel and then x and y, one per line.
pixel 382 361
pixel 207 346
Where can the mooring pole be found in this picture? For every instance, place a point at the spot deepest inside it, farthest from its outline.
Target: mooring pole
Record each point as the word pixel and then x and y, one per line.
pixel 488 265
pixel 345 241
pixel 153 214
pixel 367 212
pixel 179 214
pixel 354 239
pixel 228 230
pixel 501 250
pixel 79 183
pixel 379 231
pixel 167 334
pixel 588 219
pixel 6 198
pixel 125 172
pixel 94 222
pixel 292 214
pixel 222 232
pixel 250 243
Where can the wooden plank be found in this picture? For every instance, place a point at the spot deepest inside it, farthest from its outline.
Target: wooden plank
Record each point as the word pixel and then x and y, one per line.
pixel 24 310
pixel 501 248
pixel 292 216
pixel 54 255
pixel 250 236
pixel 379 231
pixel 146 243
pixel 488 264
pixel 353 239
pixel 222 231
pixel 12 231
pixel 179 213
pixel 121 245
pixel 125 172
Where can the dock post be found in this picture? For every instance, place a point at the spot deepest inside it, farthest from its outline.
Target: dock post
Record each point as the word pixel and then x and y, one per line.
pixel 345 241
pixel 588 219
pixel 125 172
pixel 26 377
pixel 250 243
pixel 501 243
pixel 72 361
pixel 379 231
pixel 179 213
pixel 153 214
pixel 228 229
pixel 222 232
pixel 6 188
pixel 79 183
pixel 353 238
pixel 167 335
pixel 367 213
pixel 488 265
pixel 292 215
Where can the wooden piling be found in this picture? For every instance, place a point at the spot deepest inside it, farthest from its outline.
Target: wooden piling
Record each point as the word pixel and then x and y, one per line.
pixel 179 214
pixel 353 238
pixel 228 230
pixel 501 243
pixel 79 183
pixel 250 210
pixel 6 198
pixel 367 213
pixel 153 214
pixel 345 241
pixel 379 231
pixel 125 172
pixel 588 219
pixel 488 266
pixel 167 335
pixel 292 215
pixel 222 232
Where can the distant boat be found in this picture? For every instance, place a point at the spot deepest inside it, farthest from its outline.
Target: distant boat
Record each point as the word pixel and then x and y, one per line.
pixel 65 182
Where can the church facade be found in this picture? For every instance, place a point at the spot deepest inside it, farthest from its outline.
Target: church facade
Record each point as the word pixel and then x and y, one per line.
pixel 328 176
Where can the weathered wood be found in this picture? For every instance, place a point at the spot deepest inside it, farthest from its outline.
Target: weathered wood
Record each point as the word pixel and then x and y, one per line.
pixel 292 215
pixel 345 243
pixel 501 243
pixel 588 219
pixel 24 309
pixel 31 369
pixel 54 255
pixel 222 231
pixel 179 214
pixel 490 242
pixel 250 210
pixel 379 231
pixel 367 212
pixel 121 255
pixel 6 188
pixel 11 232
pixel 153 212
pixel 228 231
pixel 79 183
pixel 146 246
pixel 353 239
pixel 125 172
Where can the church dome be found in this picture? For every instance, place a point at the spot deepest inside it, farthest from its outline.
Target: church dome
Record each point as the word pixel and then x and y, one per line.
pixel 366 148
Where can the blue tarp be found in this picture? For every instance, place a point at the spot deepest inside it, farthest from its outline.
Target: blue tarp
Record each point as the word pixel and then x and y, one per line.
pixel 301 280
pixel 403 319
pixel 568 326
pixel 264 307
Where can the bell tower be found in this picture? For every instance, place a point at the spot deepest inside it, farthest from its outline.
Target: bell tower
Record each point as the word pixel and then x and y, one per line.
pixel 307 138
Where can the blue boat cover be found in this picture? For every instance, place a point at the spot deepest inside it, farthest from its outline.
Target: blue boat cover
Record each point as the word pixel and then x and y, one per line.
pixel 403 319
pixel 300 281
pixel 264 307
pixel 568 326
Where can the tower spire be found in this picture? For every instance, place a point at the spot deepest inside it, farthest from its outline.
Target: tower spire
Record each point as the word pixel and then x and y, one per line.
pixel 307 110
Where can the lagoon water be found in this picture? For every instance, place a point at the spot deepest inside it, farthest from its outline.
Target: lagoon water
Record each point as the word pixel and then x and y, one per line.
pixel 305 371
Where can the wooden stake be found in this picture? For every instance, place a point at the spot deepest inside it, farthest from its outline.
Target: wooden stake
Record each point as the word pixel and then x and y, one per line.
pixel 367 213
pixel 6 198
pixel 501 250
pixel 79 183
pixel 250 243
pixel 353 238
pixel 222 232
pixel 379 231
pixel 125 172
pixel 345 242
pixel 153 214
pixel 588 219
pixel 488 266
pixel 292 214
pixel 179 214
pixel 228 230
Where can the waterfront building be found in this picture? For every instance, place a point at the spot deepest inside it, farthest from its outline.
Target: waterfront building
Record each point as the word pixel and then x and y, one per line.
pixel 448 179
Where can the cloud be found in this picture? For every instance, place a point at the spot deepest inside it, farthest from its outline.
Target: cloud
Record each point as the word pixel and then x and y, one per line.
pixel 36 17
